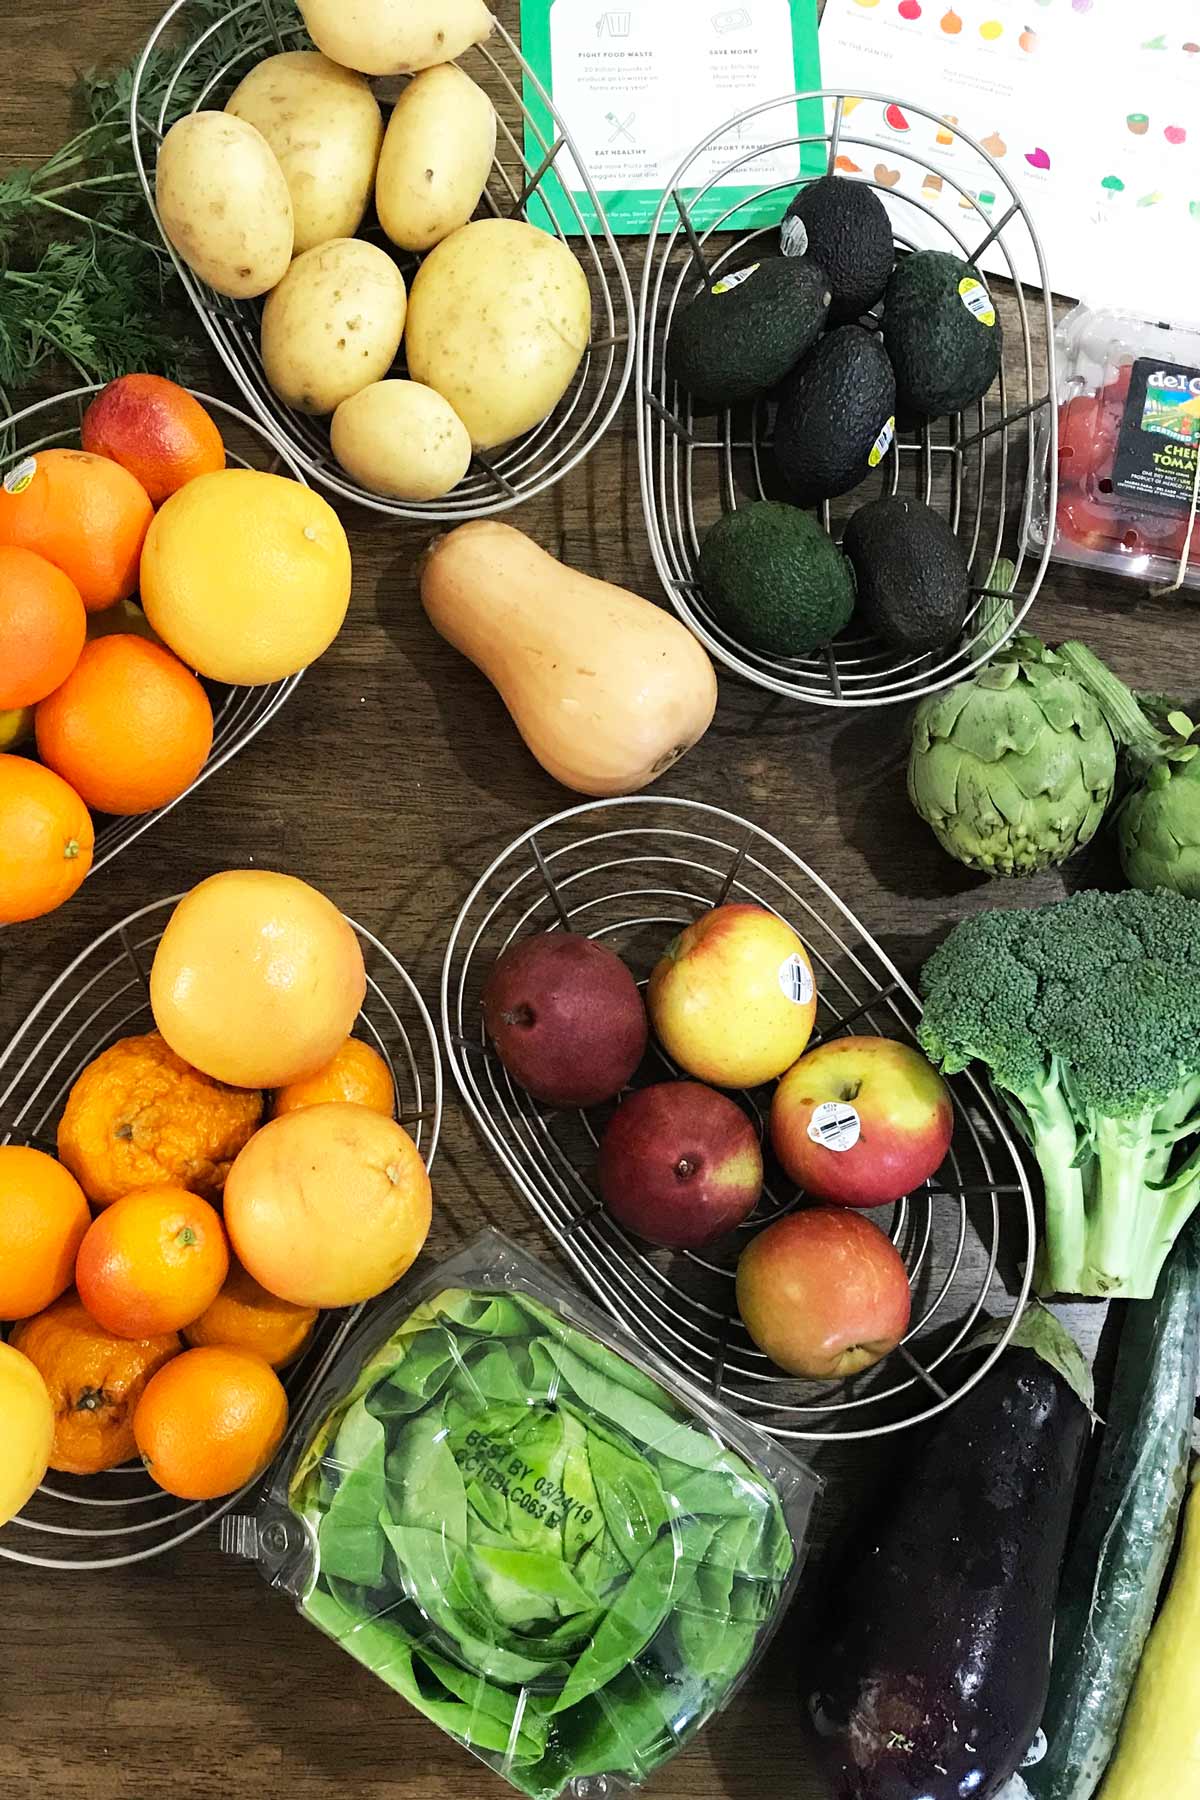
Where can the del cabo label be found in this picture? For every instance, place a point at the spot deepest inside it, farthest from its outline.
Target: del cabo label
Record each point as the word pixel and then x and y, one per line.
pixel 1160 434
pixel 882 444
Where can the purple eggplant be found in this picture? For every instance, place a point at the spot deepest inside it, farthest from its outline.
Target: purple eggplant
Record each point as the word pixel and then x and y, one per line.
pixel 933 1685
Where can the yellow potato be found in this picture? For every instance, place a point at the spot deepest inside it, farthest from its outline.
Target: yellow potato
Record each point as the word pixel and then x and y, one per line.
pixel 224 203
pixel 401 439
pixel 333 325
pixel 325 127
pixel 395 37
pixel 436 158
pixel 498 321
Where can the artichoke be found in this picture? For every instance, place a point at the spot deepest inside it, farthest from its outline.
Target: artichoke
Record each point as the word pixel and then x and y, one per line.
pixel 1158 829
pixel 1014 769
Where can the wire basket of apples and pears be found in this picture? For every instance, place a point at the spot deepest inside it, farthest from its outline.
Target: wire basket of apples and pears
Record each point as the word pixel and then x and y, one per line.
pixel 631 874
pixel 976 468
pixel 193 62
pixel 120 1517
pixel 239 713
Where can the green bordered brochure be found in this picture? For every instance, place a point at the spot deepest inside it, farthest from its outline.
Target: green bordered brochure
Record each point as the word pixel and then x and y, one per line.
pixel 640 85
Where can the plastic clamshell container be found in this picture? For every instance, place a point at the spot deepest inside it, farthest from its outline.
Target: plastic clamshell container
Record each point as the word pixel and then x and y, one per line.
pixel 1128 435
pixel 522 1522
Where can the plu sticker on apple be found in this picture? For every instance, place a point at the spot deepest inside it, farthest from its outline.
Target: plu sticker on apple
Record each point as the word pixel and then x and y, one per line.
pixel 835 1125
pixel 795 979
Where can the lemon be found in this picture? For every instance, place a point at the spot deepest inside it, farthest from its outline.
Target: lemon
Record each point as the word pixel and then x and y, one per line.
pixel 28 1431
pixel 246 576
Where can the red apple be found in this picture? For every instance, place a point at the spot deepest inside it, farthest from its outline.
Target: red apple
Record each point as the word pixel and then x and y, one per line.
pixel 680 1165
pixel 566 1018
pixel 861 1121
pixel 823 1293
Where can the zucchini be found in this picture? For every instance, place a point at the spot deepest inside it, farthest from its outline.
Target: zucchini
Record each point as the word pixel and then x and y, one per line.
pixel 935 1678
pixel 1158 1752
pixel 1111 1584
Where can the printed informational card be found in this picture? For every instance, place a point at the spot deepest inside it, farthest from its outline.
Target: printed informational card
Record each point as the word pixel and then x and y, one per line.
pixel 1090 107
pixel 640 85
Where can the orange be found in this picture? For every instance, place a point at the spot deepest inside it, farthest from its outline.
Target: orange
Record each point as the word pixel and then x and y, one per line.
pixel 210 1422
pixel 43 1218
pixel 86 515
pixel 138 1116
pixel 28 1431
pixel 246 575
pixel 246 1317
pixel 94 1381
pixel 130 728
pixel 329 1205
pixel 42 627
pixel 257 979
pixel 46 840
pixel 152 1262
pixel 156 430
pixel 355 1073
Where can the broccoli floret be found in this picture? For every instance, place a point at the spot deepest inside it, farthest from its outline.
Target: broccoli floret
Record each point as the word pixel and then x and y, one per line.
pixel 1087 1016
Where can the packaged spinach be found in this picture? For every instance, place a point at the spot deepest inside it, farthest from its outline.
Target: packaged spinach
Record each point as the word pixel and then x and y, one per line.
pixel 529 1528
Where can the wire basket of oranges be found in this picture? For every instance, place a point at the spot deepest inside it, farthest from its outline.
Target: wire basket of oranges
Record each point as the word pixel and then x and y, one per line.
pixel 141 530
pixel 201 1185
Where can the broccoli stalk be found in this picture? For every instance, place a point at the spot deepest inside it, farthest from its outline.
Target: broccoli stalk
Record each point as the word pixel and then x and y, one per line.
pixel 1087 1015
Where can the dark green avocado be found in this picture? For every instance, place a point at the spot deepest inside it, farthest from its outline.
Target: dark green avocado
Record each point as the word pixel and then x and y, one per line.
pixel 836 417
pixel 774 580
pixel 942 332
pixel 742 334
pixel 913 583
pixel 844 226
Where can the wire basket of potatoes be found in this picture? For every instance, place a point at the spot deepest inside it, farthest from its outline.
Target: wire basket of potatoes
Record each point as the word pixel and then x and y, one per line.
pixel 386 233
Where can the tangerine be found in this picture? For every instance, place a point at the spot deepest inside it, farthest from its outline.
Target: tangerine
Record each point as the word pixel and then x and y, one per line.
pixel 46 840
pixel 355 1072
pixel 246 1317
pixel 130 728
pixel 86 515
pixel 94 1381
pixel 43 1219
pixel 156 430
pixel 152 1262
pixel 42 627
pixel 210 1422
pixel 139 1116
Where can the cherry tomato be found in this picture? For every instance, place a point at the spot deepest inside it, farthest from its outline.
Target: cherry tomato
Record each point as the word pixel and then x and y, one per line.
pixel 1087 441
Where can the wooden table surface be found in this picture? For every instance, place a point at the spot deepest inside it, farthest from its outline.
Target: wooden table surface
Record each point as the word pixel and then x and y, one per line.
pixel 388 780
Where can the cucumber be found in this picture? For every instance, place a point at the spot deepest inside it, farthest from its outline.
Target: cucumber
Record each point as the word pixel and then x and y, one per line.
pixel 1113 1575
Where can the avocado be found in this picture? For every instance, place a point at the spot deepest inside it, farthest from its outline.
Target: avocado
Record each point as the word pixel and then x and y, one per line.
pixel 775 580
pixel 836 418
pixel 742 335
pixel 844 225
pixel 942 332
pixel 913 583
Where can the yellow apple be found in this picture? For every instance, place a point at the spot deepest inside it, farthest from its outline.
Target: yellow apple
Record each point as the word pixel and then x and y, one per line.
pixel 733 998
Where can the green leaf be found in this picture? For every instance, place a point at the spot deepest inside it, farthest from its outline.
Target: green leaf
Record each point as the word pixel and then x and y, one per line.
pixel 349 1539
pixel 634 1617
pixel 524 1585
pixel 424 1483
pixel 649 1424
pixel 631 1497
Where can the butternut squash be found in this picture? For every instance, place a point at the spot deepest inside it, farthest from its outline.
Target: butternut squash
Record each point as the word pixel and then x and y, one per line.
pixel 606 689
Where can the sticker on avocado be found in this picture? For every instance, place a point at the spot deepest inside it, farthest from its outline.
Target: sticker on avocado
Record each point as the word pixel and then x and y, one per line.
pixel 882 444
pixel 835 1125
pixel 20 475
pixel 977 300
pixel 795 979
pixel 727 283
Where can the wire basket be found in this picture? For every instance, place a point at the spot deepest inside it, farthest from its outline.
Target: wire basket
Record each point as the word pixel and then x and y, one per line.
pixel 238 712
pixel 206 59
pixel 977 468
pixel 632 873
pixel 120 1518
